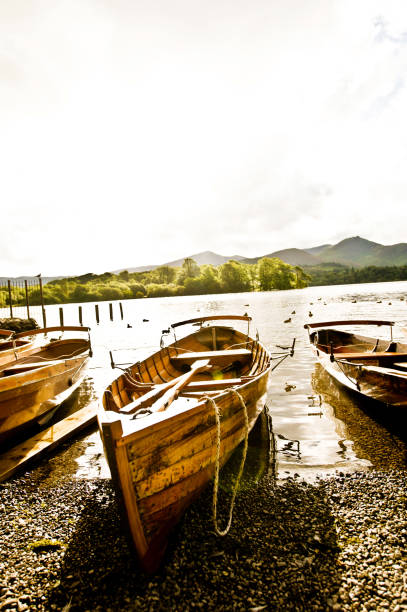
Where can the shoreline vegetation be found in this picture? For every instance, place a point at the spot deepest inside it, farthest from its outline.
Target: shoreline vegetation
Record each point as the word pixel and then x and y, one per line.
pixel 191 279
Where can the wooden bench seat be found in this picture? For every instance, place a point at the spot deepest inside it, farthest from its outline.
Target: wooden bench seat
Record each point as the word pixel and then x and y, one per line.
pixel 213 385
pixel 377 355
pixel 215 357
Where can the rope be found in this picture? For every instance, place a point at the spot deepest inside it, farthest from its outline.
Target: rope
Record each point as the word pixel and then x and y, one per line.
pixel 217 464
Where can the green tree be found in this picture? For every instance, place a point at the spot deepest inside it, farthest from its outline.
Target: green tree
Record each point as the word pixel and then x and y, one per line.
pixel 302 278
pixel 234 277
pixel 166 274
pixel 190 267
pixel 275 274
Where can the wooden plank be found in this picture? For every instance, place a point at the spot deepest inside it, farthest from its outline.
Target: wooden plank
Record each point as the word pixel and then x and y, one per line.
pixel 354 322
pixel 386 355
pixel 214 385
pixel 20 456
pixel 26 367
pixel 188 456
pixel 214 356
pixel 401 365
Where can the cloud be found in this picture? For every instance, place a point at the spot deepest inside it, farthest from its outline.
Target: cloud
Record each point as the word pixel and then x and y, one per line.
pixel 136 133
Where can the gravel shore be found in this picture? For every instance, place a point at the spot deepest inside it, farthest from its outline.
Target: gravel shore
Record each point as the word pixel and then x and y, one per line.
pixel 339 543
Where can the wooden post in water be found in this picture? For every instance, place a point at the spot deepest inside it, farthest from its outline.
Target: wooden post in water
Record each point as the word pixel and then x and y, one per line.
pixel 80 315
pixel 26 299
pixel 111 311
pixel 97 313
pixel 44 317
pixel 10 298
pixel 61 316
pixel 121 310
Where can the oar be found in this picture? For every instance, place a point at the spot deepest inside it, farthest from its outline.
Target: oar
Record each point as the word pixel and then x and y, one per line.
pixel 154 394
pixel 147 398
pixel 169 396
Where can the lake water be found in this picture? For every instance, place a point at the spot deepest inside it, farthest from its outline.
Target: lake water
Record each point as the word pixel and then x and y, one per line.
pixel 317 428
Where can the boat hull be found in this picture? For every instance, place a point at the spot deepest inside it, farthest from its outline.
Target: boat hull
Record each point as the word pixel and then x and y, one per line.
pixel 22 406
pixel 32 387
pixel 161 462
pixel 369 367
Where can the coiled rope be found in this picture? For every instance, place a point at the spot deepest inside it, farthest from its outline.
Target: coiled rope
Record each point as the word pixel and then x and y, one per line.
pixel 217 464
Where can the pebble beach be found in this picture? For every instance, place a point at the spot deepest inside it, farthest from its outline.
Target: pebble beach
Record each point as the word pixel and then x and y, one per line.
pixel 338 543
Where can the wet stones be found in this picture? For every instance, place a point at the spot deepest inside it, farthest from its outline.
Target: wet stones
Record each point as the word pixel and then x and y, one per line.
pixel 338 544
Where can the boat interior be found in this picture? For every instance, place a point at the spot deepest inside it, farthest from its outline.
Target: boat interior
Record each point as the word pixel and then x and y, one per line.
pixel 9 344
pixel 363 350
pixel 234 359
pixel 49 355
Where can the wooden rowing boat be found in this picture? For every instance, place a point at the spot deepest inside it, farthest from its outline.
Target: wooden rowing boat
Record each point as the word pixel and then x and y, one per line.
pixel 159 426
pixel 371 367
pixel 11 349
pixel 32 387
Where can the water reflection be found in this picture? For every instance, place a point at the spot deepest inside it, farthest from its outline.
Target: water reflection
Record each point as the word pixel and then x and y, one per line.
pixel 377 436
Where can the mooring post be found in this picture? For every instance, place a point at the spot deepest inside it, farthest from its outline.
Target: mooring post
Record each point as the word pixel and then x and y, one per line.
pixel 111 311
pixel 26 299
pixel 97 313
pixel 61 316
pixel 44 317
pixel 80 315
pixel 10 301
pixel 121 310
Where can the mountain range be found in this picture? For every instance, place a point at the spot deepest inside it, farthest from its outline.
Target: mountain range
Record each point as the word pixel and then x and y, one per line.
pixel 355 251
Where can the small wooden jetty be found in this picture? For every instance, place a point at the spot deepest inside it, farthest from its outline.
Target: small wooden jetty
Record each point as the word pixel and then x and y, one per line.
pixel 24 454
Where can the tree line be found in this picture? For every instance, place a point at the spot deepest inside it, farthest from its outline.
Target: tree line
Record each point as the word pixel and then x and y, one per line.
pixel 339 274
pixel 191 279
pixel 188 279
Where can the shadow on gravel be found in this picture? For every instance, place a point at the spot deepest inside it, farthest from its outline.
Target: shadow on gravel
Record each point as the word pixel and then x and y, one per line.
pixel 281 554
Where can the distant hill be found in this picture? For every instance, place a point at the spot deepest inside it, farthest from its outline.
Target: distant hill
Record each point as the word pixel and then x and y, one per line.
pixel 204 258
pixel 355 252
pixel 295 257
pixel 316 250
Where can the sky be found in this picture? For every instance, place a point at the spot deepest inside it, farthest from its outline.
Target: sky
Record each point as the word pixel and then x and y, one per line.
pixel 136 132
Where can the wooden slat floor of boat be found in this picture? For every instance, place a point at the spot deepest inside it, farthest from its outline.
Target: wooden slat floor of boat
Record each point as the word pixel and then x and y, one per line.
pixel 20 456
pixel 401 365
